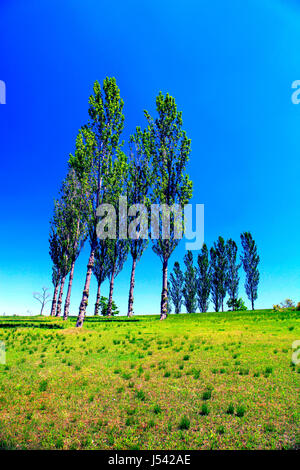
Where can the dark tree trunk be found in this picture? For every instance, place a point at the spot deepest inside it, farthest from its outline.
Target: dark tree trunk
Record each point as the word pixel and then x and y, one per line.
pixel 131 288
pixel 97 304
pixel 54 299
pixel 86 290
pixel 68 297
pixel 164 293
pixel 252 302
pixel 111 290
pixel 59 302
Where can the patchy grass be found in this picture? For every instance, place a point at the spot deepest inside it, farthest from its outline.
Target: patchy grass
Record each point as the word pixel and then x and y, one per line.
pixel 199 381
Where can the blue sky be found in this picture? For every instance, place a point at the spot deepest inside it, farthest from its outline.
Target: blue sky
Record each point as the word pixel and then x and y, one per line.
pixel 230 66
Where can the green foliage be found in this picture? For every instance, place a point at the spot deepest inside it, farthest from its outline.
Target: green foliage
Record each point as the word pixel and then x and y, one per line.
pixel 250 260
pixel 236 304
pixel 184 423
pixel 206 395
pixel 204 410
pixel 240 411
pixel 104 307
pixel 218 269
pixel 175 287
pixel 232 277
pixel 203 279
pixel 190 284
pixel 230 409
pixel 138 188
pixel 171 184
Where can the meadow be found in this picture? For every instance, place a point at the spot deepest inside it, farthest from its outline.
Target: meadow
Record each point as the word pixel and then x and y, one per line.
pixel 197 381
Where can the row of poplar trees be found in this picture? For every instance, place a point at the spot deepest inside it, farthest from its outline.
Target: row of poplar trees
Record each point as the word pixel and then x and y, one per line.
pixel 215 276
pixel 153 171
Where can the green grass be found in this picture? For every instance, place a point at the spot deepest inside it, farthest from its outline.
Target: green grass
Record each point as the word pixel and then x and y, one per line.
pixel 211 381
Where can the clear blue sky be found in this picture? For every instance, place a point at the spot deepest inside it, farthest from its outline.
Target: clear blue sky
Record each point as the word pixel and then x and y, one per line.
pixel 230 66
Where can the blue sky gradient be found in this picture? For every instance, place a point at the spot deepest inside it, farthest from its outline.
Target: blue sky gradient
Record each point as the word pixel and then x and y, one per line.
pixel 230 66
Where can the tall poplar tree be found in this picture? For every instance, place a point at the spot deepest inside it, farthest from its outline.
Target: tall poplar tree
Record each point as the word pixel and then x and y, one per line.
pixel 171 184
pixel 101 269
pixel 116 236
pixel 54 252
pixel 175 287
pixel 138 186
pixel 250 260
pixel 59 252
pixel 96 148
pixel 232 275
pixel 75 211
pixel 218 267
pixel 190 284
pixel 203 279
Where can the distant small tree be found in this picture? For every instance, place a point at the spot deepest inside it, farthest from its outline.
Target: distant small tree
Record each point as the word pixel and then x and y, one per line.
pixel 250 260
pixel 236 304
pixel 203 279
pixel 288 303
pixel 175 287
pixel 232 274
pixel 190 284
pixel 104 307
pixel 42 297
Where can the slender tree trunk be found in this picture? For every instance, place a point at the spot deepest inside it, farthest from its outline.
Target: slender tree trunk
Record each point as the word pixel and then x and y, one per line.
pixel 86 290
pixel 222 305
pixel 59 302
pixel 111 290
pixel 68 297
pixel 131 288
pixel 54 299
pixel 252 302
pixel 97 300
pixel 41 312
pixel 164 293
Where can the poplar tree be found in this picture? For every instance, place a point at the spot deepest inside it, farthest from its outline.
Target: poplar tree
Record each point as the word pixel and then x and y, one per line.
pixel 190 284
pixel 75 210
pixel 203 279
pixel 97 146
pixel 175 287
pixel 54 252
pixel 171 183
pixel 250 260
pixel 117 244
pixel 138 186
pixel 100 269
pixel 232 275
pixel 59 252
pixel 218 269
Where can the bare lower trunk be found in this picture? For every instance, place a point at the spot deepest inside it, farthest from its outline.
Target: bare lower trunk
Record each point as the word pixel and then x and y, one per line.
pixel 164 293
pixel 222 305
pixel 54 300
pixel 252 303
pixel 59 302
pixel 86 290
pixel 111 290
pixel 131 288
pixel 97 304
pixel 67 301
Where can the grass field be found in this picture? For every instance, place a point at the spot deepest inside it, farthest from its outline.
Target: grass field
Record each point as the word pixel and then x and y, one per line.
pixel 201 381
